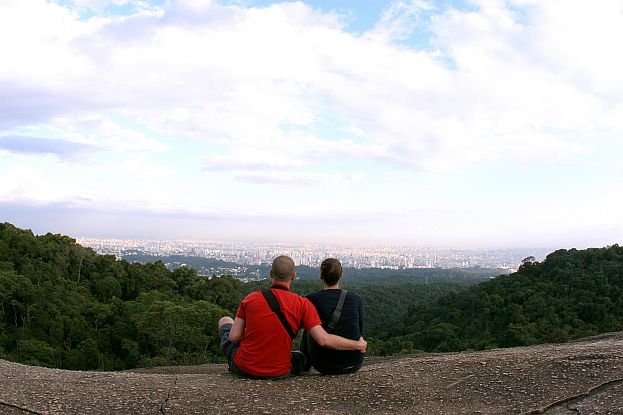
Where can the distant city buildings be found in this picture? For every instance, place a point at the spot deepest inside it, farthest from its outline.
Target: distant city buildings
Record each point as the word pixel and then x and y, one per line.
pixel 250 254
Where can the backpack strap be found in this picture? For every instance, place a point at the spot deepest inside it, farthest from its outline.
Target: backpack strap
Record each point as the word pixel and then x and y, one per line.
pixel 274 305
pixel 337 313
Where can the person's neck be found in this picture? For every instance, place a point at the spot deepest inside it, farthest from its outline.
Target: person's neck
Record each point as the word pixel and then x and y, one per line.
pixel 286 283
pixel 330 287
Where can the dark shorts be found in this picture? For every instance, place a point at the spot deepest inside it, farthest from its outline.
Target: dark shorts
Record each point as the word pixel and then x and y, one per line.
pixel 308 345
pixel 327 370
pixel 229 350
pixel 227 346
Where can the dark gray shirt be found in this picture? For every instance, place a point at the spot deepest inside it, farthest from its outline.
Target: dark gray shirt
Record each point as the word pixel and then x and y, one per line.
pixel 350 326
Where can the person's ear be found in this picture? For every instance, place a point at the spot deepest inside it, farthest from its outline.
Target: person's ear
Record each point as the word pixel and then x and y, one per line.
pixel 293 276
pixel 271 273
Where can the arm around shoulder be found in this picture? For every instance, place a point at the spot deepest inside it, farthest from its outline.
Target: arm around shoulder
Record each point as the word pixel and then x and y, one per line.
pixel 332 341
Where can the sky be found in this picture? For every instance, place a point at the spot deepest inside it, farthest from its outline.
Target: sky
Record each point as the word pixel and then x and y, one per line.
pixel 465 124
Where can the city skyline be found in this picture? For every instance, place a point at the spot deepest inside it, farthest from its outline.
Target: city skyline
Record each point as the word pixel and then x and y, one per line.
pixel 459 124
pixel 255 254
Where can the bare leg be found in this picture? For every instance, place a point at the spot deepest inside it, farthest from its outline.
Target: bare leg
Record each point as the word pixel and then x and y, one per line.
pixel 225 320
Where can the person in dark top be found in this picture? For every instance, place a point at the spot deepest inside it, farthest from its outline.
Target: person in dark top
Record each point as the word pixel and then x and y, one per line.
pixel 257 343
pixel 349 325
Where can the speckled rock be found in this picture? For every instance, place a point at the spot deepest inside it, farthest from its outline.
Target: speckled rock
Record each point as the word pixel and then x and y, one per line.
pixel 584 377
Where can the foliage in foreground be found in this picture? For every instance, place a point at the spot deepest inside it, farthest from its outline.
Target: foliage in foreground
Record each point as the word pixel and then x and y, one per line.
pixel 571 294
pixel 63 305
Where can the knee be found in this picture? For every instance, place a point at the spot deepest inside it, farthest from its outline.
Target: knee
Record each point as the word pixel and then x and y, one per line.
pixel 225 320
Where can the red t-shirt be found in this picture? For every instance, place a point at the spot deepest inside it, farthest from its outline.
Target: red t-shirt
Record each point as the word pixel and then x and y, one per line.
pixel 265 348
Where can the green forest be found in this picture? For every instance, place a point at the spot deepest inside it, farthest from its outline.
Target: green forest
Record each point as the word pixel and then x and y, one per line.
pixel 571 294
pixel 63 305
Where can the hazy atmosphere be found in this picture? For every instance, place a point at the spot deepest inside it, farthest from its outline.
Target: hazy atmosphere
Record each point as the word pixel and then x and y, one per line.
pixel 444 123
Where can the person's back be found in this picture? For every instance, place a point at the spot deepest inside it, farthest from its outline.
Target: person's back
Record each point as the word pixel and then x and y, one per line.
pixel 349 325
pixel 257 342
pixel 265 351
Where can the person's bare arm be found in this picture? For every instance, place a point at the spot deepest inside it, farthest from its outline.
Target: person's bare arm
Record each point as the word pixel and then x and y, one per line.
pixel 332 341
pixel 237 330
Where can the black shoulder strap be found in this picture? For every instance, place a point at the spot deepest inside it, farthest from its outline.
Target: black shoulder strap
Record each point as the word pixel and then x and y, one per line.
pixel 274 305
pixel 337 313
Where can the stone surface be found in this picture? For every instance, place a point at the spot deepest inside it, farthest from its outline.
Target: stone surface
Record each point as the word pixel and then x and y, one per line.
pixel 584 377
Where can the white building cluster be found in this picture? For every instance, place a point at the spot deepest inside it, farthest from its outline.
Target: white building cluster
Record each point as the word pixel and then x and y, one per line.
pixel 245 253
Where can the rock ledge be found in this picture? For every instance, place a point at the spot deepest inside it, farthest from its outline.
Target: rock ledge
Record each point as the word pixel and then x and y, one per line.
pixel 584 377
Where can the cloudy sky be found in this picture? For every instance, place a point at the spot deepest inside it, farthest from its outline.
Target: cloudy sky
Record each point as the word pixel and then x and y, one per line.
pixel 442 123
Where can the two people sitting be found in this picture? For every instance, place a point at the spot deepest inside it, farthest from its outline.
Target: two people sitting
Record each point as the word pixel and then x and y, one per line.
pixel 258 342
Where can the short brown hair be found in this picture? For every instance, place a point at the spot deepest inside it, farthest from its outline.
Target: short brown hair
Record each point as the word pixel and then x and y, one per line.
pixel 283 267
pixel 331 271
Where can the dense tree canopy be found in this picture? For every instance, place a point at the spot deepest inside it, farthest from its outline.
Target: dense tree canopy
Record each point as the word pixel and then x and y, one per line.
pixel 63 305
pixel 66 306
pixel 571 294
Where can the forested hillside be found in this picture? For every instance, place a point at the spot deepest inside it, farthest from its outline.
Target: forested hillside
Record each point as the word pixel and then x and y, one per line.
pixel 63 305
pixel 571 294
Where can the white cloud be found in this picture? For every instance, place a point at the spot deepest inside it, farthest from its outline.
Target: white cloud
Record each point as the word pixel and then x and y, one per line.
pixel 399 20
pixel 23 182
pixel 245 73
pixel 298 179
pixel 250 161
pixel 127 141
pixel 272 94
pixel 533 147
pixel 63 149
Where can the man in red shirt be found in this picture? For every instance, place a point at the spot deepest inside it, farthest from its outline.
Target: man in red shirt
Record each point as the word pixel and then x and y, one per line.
pixel 257 344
